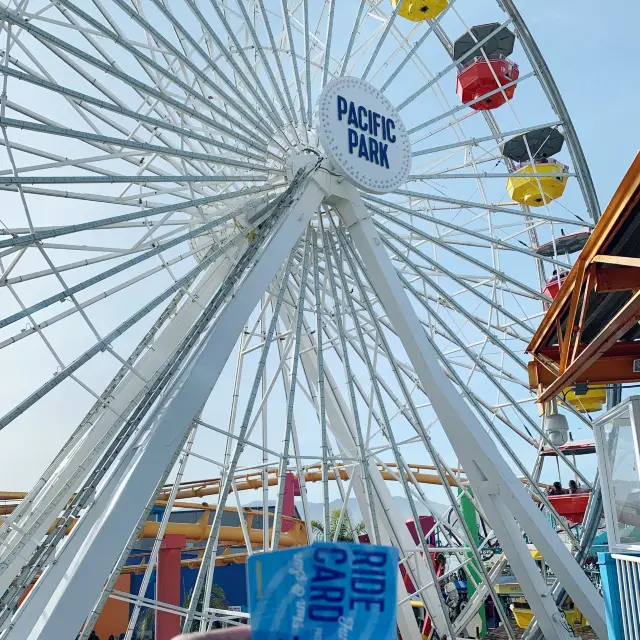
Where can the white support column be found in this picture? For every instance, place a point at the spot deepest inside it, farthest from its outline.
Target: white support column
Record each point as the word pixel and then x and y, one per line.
pixel 68 589
pixel 391 524
pixel 501 495
pixel 44 503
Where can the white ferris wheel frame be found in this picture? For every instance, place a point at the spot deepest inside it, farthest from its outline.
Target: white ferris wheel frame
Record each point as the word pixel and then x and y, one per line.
pixel 493 487
pixel 63 595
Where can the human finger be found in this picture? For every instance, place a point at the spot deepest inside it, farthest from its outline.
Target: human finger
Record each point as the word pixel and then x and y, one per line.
pixel 237 633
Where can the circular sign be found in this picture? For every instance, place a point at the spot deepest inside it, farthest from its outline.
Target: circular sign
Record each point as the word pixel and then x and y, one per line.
pixel 363 135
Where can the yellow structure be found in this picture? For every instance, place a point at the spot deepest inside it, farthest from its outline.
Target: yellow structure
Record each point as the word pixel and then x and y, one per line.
pixel 418 10
pixel 419 612
pixel 591 401
pixel 524 616
pixel 537 190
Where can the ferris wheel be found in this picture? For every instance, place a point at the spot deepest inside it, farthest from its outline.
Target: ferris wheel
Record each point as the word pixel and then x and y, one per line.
pixel 274 237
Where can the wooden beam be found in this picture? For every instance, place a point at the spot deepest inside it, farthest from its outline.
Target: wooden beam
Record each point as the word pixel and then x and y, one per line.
pixel 620 261
pixel 575 298
pixel 617 326
pixel 620 207
pixel 614 366
pixel 583 311
pixel 617 279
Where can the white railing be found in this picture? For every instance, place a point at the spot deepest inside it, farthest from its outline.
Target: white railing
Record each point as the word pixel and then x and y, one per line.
pixel 629 585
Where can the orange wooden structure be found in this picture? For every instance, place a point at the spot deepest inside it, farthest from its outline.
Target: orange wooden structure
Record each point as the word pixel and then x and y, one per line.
pixel 590 334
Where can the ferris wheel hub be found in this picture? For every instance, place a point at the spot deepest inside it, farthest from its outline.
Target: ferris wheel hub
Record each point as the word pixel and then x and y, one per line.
pixel 300 158
pixel 363 135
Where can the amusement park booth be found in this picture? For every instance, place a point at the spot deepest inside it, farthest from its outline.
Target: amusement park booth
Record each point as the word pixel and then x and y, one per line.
pixel 617 435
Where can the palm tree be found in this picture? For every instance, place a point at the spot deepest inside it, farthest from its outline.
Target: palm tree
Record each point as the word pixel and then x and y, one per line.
pixel 147 619
pixel 216 601
pixel 345 533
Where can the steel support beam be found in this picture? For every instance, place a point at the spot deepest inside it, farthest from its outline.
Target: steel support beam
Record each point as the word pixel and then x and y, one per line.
pixel 46 500
pixel 390 522
pixel 68 589
pixel 501 495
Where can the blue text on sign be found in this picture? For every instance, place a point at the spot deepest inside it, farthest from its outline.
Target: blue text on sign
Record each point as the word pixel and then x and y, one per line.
pixel 330 582
pixel 362 121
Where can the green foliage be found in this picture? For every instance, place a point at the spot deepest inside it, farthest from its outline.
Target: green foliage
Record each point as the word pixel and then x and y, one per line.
pixel 216 601
pixel 345 533
pixel 146 620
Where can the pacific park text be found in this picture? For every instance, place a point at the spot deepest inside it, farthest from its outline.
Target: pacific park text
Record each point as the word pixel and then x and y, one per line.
pixel 364 121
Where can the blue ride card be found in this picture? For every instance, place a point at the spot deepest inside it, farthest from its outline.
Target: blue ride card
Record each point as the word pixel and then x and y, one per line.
pixel 326 591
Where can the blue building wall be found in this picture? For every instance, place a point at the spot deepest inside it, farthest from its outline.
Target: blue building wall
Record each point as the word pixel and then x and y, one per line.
pixel 230 578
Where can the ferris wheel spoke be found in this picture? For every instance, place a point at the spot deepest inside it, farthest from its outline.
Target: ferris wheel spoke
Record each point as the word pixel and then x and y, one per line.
pixel 261 95
pixel 499 275
pixel 191 205
pixel 498 208
pixel 86 164
pixel 402 465
pixel 318 307
pixel 389 434
pixel 129 144
pixel 84 304
pixel 481 175
pixel 472 142
pixel 467 105
pixel 112 335
pixel 285 104
pixel 352 37
pixel 69 292
pixel 451 302
pixel 330 256
pixel 160 123
pixel 290 388
pixel 371 331
pixel 470 353
pixel 274 51
pixel 137 179
pixel 489 423
pixel 512 402
pixel 57 45
pixel 492 241
pixel 387 28
pixel 416 46
pixel 328 38
pixel 307 56
pixel 452 336
pixel 139 162
pixel 286 18
pixel 146 61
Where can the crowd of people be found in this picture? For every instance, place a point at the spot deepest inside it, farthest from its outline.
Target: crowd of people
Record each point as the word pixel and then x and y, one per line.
pixel 94 636
pixel 556 489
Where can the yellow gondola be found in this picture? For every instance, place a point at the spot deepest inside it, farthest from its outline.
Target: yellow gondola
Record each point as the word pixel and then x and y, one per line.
pixel 537 190
pixel 524 616
pixel 588 402
pixel 418 10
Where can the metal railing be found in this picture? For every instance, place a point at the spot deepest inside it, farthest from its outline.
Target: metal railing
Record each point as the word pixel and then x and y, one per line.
pixel 628 582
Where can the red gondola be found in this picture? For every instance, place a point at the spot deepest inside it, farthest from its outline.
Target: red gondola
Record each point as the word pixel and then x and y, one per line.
pixel 571 506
